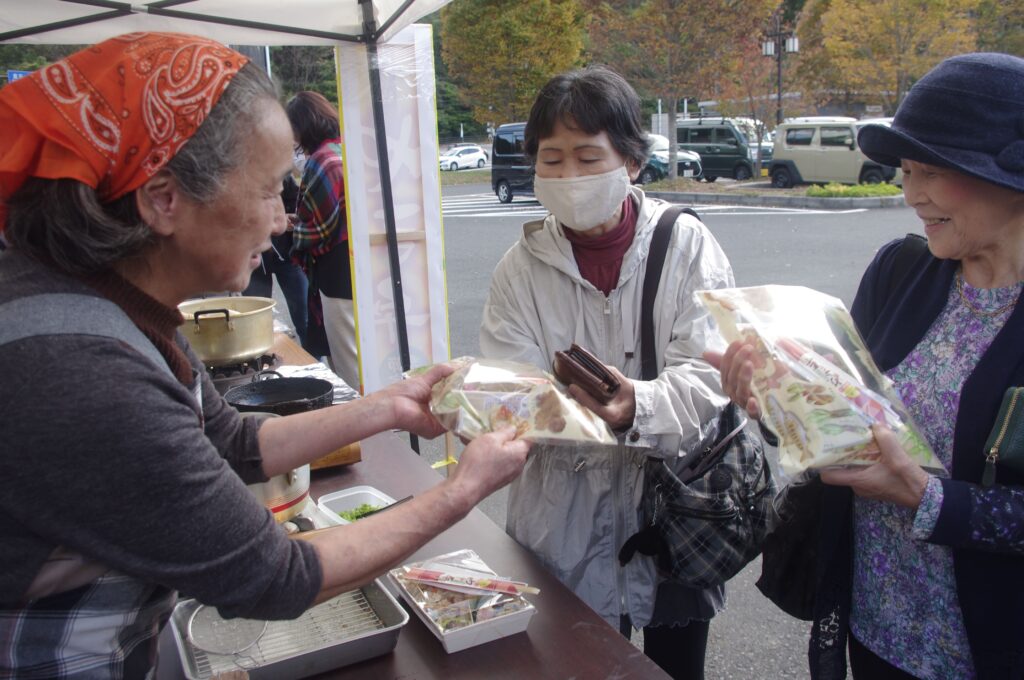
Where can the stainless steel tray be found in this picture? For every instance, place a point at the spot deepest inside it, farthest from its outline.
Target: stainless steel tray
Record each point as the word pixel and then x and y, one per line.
pixel 351 627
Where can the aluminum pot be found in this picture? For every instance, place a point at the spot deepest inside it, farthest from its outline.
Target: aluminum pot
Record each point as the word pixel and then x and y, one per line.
pixel 228 330
pixel 284 495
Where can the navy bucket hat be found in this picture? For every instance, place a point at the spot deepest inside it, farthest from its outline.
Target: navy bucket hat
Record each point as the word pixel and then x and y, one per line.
pixel 967 113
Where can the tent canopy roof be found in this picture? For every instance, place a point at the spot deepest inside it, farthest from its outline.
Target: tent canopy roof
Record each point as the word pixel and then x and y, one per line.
pixel 238 22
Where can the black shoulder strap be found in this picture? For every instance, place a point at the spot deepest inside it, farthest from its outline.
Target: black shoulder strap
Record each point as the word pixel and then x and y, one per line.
pixel 652 279
pixel 908 252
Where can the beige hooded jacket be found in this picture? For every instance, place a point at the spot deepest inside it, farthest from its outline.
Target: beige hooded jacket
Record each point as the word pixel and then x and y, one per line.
pixel 574 506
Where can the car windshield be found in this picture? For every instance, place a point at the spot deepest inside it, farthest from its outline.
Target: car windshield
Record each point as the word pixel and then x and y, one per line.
pixel 659 143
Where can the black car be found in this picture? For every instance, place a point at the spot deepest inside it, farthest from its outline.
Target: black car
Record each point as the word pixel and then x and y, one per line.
pixel 511 170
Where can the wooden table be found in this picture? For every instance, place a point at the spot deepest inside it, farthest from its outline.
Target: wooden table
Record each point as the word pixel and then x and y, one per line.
pixel 565 639
pixel 290 352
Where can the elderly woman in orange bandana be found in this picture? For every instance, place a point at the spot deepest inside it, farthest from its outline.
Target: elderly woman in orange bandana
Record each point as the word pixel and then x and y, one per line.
pixel 135 174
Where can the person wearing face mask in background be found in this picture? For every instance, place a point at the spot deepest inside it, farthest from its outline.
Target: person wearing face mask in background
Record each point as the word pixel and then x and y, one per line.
pixel 577 276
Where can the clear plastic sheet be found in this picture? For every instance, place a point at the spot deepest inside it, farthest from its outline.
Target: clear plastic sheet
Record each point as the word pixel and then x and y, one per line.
pixel 450 608
pixel 814 379
pixel 485 395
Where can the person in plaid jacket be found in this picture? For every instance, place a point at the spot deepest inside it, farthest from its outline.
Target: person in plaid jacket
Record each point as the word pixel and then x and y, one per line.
pixel 320 235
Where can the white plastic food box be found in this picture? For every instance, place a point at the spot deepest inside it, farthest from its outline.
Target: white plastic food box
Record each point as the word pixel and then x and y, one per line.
pixel 474 634
pixel 351 498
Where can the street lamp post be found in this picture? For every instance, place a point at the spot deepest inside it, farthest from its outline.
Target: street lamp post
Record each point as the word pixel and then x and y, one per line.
pixel 776 41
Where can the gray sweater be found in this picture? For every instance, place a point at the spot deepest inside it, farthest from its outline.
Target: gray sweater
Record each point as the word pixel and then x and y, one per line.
pixel 104 454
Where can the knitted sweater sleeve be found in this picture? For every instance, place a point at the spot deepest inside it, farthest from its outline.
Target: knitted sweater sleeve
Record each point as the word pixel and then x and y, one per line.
pixel 972 516
pixel 107 456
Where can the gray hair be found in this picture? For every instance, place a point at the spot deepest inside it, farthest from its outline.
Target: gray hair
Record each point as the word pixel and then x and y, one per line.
pixel 63 220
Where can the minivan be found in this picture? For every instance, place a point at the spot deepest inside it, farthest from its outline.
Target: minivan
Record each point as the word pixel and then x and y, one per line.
pixel 511 170
pixel 724 149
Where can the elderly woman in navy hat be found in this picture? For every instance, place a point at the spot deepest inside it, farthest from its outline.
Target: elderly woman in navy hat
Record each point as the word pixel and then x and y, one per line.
pixel 924 575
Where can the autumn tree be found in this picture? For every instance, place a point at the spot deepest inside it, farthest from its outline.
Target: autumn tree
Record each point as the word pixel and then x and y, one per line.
pixel 751 90
pixel 1001 26
pixel 819 78
pixel 501 53
pixel 879 48
pixel 670 49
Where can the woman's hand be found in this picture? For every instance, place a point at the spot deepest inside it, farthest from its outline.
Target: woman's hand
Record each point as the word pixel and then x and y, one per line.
pixel 620 411
pixel 737 369
pixel 409 401
pixel 895 478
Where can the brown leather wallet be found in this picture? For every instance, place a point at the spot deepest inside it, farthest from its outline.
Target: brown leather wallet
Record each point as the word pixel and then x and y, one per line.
pixel 577 366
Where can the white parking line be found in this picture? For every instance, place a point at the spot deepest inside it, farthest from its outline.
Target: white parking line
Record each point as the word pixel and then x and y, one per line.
pixel 487 205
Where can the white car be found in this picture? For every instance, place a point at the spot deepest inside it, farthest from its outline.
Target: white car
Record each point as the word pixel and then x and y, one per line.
pixel 460 157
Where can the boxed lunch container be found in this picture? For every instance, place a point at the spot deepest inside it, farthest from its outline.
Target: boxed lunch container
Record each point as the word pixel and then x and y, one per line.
pixel 474 605
pixel 351 499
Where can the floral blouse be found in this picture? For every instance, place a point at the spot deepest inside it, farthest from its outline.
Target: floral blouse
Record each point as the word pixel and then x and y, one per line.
pixel 905 607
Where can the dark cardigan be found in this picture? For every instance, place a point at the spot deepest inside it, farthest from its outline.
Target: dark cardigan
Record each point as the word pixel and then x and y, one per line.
pixel 990 585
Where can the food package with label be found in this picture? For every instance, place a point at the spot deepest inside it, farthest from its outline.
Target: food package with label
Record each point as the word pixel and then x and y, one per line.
pixel 485 395
pixel 462 601
pixel 814 379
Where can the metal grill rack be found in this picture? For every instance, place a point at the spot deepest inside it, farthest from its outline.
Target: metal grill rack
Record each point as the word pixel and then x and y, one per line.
pixel 341 630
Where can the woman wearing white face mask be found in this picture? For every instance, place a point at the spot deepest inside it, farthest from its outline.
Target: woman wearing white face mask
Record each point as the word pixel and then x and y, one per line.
pixel 577 276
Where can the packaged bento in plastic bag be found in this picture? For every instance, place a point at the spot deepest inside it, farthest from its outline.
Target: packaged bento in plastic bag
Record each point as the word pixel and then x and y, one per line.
pixel 814 379
pixel 485 395
pixel 462 601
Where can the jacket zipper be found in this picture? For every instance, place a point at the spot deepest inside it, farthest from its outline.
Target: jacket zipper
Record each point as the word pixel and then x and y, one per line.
pixel 618 482
pixel 988 477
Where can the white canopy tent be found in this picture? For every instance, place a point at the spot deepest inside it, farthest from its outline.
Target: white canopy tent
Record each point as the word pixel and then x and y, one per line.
pixel 386 90
pixel 249 22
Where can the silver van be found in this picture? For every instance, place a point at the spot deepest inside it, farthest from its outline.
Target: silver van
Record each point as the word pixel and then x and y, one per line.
pixel 823 149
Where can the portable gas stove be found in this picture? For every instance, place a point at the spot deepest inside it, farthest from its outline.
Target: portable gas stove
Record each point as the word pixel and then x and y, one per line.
pixel 226 377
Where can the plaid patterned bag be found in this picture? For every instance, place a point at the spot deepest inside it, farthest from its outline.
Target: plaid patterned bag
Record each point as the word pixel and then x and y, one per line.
pixel 709 513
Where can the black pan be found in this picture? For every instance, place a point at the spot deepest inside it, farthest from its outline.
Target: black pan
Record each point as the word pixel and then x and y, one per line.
pixel 283 396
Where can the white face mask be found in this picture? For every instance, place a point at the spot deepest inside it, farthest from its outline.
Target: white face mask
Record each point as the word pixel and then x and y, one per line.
pixel 582 203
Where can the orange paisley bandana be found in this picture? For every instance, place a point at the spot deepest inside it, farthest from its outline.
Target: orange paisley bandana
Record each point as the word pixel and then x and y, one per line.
pixel 112 114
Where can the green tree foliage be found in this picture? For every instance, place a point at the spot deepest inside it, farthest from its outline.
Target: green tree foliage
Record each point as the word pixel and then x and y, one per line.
pixel 501 53
pixel 304 68
pixel 25 57
pixel 879 48
pixel 1001 26
pixel 453 117
pixel 670 49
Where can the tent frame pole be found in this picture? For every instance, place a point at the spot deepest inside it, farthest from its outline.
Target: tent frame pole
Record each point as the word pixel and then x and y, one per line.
pixel 384 166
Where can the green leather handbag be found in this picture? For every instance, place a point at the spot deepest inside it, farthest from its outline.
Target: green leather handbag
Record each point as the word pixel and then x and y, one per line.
pixel 1005 444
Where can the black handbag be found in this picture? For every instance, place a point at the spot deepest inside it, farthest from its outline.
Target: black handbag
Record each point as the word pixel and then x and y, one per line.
pixel 789 562
pixel 707 513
